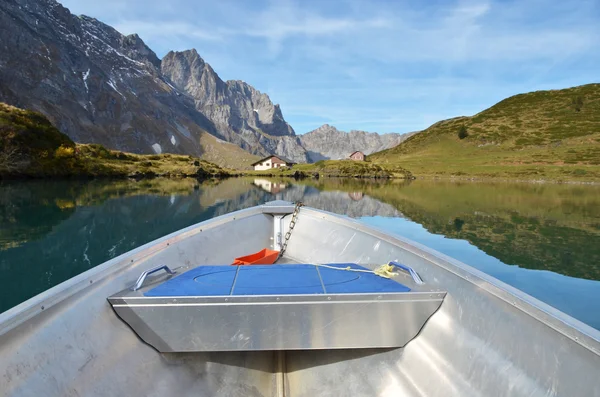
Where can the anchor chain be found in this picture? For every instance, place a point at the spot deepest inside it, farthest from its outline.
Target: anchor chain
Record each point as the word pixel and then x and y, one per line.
pixel 291 227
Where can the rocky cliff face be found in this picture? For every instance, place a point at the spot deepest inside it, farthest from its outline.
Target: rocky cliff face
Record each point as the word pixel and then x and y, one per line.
pixel 241 114
pixel 99 86
pixel 95 84
pixel 327 142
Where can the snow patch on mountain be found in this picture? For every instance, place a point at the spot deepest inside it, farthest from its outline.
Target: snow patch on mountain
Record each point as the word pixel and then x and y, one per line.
pixel 114 87
pixel 85 77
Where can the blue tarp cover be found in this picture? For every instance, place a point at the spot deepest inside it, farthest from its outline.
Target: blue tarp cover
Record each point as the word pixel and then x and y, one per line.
pixel 274 280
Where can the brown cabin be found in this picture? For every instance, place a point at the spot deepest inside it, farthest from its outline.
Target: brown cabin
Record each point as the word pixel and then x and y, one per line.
pixel 358 156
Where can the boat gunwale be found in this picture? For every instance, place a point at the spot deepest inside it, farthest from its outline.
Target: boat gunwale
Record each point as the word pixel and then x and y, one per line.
pixel 44 300
pixel 575 330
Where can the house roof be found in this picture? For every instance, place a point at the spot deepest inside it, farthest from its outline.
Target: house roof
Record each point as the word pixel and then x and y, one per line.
pixel 358 151
pixel 287 161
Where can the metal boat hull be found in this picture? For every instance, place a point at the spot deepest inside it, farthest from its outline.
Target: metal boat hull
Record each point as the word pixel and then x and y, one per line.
pixel 286 323
pixel 487 339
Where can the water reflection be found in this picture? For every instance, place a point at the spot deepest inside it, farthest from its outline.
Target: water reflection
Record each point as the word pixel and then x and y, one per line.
pixel 51 231
pixel 356 196
pixel 270 186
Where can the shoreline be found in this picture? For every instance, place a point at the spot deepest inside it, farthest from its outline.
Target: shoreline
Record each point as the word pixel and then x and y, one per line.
pixel 242 174
pixel 428 178
pixel 476 179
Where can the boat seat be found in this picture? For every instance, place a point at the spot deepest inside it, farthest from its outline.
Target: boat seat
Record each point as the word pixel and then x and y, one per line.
pixel 295 279
pixel 276 307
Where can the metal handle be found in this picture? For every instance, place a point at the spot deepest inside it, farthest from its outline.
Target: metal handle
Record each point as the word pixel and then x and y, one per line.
pixel 142 278
pixel 415 276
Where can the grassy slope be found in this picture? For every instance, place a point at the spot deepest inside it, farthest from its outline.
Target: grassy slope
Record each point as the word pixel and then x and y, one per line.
pixel 539 135
pixel 226 154
pixel 26 139
pixel 30 146
pixel 95 160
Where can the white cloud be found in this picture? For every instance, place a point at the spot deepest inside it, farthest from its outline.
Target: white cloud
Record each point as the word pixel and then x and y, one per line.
pixel 389 32
pixel 460 34
pixel 150 30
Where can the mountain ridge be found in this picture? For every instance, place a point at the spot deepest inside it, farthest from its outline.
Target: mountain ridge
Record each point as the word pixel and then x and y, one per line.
pixel 99 86
pixel 327 142
pixel 242 114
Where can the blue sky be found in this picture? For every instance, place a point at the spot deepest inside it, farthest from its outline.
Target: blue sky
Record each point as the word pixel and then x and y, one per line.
pixel 385 66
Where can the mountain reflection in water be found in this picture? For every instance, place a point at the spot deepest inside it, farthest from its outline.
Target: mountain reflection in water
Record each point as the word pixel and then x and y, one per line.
pixel 519 233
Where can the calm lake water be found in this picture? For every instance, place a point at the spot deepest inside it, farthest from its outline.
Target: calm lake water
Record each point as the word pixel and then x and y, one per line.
pixel 542 239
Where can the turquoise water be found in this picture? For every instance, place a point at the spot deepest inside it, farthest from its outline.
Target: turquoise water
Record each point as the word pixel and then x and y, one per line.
pixel 542 239
pixel 578 297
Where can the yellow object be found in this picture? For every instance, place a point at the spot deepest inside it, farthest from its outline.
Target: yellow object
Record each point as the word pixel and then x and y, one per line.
pixel 385 271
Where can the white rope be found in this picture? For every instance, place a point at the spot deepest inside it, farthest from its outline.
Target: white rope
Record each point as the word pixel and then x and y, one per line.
pixel 385 271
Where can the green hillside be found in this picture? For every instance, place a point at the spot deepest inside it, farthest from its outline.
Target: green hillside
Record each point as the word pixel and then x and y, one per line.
pixel 30 146
pixel 539 135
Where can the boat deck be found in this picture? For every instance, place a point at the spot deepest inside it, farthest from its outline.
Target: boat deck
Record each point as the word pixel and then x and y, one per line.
pixel 276 307
pixel 486 339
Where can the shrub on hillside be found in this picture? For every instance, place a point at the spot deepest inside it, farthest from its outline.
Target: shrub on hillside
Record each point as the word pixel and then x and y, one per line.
pixel 462 132
pixel 26 139
pixel 11 159
pixel 577 103
pixel 97 151
pixel 64 152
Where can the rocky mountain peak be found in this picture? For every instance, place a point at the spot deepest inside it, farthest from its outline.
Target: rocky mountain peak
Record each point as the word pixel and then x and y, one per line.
pixel 326 129
pixel 188 71
pixel 52 7
pixel 187 57
pixel 137 49
pixel 240 112
pixel 327 142
pixel 100 86
pixel 95 84
pixel 101 41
